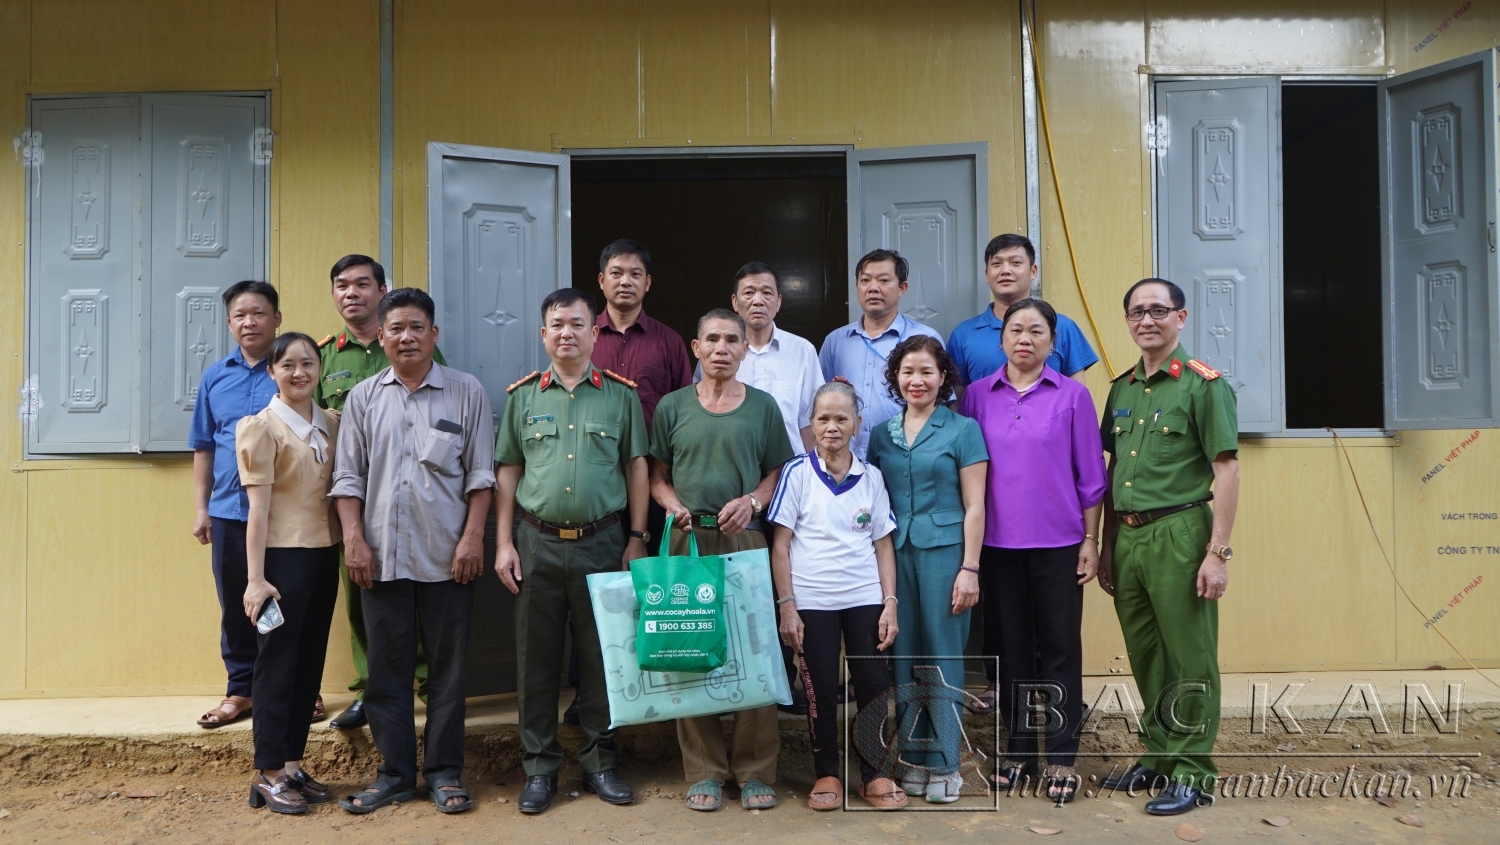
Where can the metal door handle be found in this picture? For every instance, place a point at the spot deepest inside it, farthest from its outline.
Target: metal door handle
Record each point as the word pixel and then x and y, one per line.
pixel 1492 236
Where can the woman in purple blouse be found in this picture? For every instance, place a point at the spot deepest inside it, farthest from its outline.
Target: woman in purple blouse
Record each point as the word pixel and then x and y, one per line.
pixel 1041 538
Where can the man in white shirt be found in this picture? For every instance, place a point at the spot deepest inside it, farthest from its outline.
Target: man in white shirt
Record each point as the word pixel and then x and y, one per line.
pixel 779 362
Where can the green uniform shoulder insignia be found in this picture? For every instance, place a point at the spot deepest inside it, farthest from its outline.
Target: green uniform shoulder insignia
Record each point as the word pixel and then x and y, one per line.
pixel 621 379
pixel 325 341
pixel 1125 374
pixel 1202 369
pixel 533 374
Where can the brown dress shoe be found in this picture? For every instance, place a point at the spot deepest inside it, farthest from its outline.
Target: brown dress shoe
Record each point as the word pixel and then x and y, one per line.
pixel 280 795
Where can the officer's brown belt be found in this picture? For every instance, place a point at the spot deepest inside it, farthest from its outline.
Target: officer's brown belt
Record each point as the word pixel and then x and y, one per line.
pixel 571 532
pixel 1139 518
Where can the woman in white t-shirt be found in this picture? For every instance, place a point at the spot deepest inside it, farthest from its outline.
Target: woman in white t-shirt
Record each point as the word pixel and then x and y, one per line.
pixel 835 567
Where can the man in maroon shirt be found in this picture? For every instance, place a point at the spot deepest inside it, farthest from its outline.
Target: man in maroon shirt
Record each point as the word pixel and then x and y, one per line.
pixel 631 343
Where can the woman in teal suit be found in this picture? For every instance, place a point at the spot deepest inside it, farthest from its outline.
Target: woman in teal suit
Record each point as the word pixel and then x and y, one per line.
pixel 935 465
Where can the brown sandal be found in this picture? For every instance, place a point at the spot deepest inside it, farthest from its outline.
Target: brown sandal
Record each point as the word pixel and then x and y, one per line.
pixel 319 714
pixel 827 794
pixel 883 794
pixel 232 709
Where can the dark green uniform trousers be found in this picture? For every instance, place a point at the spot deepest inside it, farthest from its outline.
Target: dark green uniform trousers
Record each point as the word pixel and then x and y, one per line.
pixel 358 642
pixel 1172 637
pixel 553 588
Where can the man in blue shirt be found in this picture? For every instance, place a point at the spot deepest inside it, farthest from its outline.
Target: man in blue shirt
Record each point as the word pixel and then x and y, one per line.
pixel 1009 269
pixel 858 351
pixel 237 386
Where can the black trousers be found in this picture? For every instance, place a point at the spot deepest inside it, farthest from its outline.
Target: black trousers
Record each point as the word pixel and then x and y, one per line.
pixel 858 628
pixel 289 668
pixel 238 639
pixel 398 614
pixel 1034 594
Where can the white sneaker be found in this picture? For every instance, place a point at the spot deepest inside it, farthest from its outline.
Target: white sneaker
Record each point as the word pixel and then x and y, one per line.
pixel 914 783
pixel 944 789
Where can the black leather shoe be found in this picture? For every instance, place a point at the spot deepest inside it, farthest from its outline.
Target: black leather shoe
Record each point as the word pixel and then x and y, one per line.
pixel 798 707
pixel 538 794
pixel 352 718
pixel 611 787
pixel 1135 777
pixel 1175 800
pixel 570 715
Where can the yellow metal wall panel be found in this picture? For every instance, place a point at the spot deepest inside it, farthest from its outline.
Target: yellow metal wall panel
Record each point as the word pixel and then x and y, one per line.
pixel 326 188
pixel 119 595
pixel 14 57
pixel 1090 55
pixel 1287 33
pixel 1447 497
pixel 1420 33
pixel 706 68
pixel 160 45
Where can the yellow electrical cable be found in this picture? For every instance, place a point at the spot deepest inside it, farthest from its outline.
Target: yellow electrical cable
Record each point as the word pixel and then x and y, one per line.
pixel 1041 102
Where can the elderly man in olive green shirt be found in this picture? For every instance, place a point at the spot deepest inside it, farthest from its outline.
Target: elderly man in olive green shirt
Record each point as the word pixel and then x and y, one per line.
pixel 572 447
pixel 1172 430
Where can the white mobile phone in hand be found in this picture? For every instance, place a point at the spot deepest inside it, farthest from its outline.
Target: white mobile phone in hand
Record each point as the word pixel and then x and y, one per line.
pixel 270 616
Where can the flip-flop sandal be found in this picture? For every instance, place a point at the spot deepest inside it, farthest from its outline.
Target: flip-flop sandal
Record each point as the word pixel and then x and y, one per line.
pixel 1012 773
pixel 221 715
pixel 374 797
pixel 442 793
pixel 706 787
pixel 832 793
pixel 883 794
pixel 1065 780
pixel 756 789
pixel 319 714
pixel 984 703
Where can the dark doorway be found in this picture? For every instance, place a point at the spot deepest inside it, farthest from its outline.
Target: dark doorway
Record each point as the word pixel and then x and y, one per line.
pixel 703 217
pixel 1331 234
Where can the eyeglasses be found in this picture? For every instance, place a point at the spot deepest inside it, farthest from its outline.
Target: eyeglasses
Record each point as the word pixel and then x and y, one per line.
pixel 1138 314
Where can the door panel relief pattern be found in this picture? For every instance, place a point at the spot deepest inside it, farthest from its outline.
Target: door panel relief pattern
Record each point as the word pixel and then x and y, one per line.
pixel 84 350
pixel 89 196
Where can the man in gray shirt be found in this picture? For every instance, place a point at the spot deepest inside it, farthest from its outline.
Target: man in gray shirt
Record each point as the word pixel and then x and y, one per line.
pixel 413 480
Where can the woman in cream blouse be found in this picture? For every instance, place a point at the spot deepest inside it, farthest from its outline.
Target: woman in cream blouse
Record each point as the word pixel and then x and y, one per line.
pixel 286 466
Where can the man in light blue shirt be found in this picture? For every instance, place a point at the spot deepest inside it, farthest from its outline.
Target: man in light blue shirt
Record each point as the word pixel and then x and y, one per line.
pixel 237 386
pixel 1009 269
pixel 859 350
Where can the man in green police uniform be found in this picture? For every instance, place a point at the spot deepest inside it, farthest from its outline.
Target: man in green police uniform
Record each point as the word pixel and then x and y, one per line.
pixel 1172 431
pixel 572 452
pixel 349 358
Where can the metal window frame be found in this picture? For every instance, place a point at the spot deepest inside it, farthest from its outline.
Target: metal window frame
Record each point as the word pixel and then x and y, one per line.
pixel 139 263
pixel 1286 76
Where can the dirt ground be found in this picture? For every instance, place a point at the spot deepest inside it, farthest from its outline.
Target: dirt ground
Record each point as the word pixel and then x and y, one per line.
pixel 83 796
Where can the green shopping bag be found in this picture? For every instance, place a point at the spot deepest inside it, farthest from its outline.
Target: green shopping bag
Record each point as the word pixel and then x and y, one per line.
pixel 681 624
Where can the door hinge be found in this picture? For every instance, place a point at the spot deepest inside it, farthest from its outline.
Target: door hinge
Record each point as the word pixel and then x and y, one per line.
pixel 28 149
pixel 261 146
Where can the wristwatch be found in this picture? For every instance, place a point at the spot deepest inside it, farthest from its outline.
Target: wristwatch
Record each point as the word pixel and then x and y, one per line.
pixel 754 503
pixel 1222 551
pixel 643 536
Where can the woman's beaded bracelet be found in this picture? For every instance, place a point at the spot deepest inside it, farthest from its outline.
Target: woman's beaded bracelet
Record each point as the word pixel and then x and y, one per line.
pixel 973 569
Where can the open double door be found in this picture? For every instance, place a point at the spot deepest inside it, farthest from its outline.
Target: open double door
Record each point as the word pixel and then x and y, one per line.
pixel 1219 193
pixel 499 239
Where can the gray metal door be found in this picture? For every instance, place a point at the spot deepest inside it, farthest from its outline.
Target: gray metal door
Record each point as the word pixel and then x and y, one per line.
pixel 1442 326
pixel 207 199
pixel 932 205
pixel 498 240
pixel 1219 231
pixel 84 242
